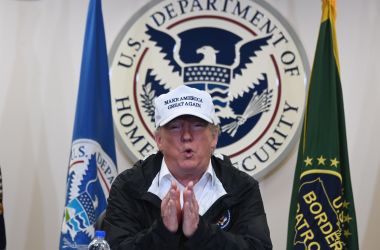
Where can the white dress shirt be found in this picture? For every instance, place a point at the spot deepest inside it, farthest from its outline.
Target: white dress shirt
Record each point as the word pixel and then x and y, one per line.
pixel 207 190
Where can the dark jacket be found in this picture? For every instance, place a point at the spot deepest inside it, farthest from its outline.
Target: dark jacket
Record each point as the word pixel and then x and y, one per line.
pixel 236 220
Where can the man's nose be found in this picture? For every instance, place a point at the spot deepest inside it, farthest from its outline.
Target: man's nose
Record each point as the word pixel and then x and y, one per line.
pixel 186 133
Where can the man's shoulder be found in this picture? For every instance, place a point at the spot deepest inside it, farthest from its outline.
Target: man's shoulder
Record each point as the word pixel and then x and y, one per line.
pixel 231 176
pixel 141 174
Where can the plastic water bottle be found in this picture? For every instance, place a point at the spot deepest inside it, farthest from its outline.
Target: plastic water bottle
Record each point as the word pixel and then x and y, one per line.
pixel 99 243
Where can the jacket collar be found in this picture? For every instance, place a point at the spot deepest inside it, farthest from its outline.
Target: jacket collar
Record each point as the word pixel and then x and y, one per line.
pixel 234 181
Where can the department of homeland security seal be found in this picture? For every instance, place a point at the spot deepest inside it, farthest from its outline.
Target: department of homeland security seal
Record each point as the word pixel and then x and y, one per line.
pixel 241 51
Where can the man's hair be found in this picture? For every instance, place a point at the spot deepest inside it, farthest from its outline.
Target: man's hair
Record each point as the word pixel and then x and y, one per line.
pixel 215 128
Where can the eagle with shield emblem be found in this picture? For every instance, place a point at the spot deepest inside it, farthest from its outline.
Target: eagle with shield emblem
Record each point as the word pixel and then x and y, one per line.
pixel 213 59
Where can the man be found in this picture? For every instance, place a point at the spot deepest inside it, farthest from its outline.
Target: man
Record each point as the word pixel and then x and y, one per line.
pixel 184 197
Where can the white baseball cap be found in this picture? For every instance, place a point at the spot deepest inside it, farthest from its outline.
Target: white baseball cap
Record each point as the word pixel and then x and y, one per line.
pixel 184 100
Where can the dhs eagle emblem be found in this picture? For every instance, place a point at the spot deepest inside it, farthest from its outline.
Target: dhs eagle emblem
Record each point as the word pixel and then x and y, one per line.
pixel 241 52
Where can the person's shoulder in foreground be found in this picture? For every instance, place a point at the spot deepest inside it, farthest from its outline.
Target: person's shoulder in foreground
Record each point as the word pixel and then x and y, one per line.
pixel 184 197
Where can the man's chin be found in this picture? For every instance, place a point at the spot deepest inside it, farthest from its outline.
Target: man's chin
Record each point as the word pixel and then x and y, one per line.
pixel 188 163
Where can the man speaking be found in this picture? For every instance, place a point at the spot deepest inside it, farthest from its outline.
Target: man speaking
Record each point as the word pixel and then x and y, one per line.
pixel 185 197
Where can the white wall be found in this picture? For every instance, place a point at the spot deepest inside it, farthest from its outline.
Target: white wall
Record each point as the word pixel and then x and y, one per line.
pixel 40 53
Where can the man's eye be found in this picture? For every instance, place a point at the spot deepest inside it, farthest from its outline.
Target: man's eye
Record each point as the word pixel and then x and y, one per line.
pixel 174 126
pixel 199 125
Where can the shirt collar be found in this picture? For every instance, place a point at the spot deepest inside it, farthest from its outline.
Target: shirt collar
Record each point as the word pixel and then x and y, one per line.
pixel 207 190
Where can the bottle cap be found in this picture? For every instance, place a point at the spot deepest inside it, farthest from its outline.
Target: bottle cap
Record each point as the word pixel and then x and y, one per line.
pixel 100 234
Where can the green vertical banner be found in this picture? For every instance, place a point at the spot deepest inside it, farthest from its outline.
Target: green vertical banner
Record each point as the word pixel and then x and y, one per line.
pixel 322 211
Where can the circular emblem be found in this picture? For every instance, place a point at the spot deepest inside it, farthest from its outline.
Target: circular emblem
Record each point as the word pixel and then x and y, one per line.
pixel 242 52
pixel 224 220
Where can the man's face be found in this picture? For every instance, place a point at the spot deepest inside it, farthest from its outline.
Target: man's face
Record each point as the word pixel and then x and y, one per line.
pixel 187 143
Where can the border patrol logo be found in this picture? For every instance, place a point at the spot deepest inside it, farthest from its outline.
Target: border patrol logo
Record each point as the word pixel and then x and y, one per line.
pixel 242 52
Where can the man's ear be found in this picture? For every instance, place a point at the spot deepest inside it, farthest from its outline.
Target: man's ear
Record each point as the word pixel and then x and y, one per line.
pixel 215 135
pixel 158 139
pixel 214 142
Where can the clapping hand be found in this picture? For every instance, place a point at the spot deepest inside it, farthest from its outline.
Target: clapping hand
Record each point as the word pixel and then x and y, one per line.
pixel 172 214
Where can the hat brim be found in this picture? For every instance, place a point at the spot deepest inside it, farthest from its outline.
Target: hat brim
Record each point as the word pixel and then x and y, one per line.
pixel 186 112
